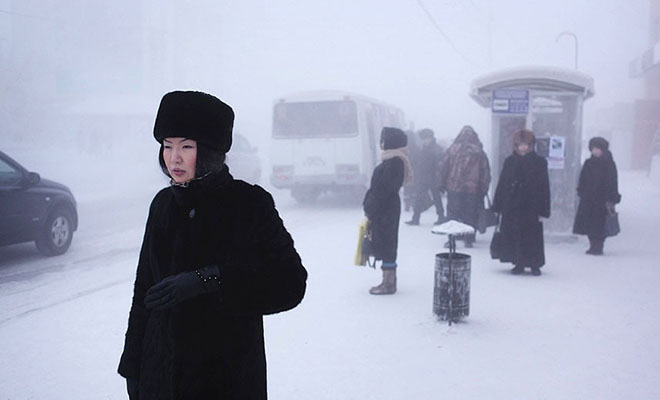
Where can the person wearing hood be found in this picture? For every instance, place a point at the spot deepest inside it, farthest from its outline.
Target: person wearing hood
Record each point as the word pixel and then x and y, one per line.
pixel 464 173
pixel 425 167
pixel 382 204
pixel 598 191
pixel 215 258
pixel 522 196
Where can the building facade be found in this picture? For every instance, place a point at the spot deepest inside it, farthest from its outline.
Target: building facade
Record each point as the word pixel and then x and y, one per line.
pixel 646 113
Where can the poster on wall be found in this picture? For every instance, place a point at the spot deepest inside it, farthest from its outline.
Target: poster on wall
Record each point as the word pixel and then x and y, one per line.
pixel 553 148
pixel 557 152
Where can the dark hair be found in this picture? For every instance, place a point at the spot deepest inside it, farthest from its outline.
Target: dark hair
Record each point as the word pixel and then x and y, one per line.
pixel 208 160
pixel 426 133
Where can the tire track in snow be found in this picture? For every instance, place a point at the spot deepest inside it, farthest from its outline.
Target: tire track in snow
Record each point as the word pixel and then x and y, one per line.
pixel 73 297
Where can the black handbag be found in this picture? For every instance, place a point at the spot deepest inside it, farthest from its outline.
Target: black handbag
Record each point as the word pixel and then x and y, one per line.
pixel 497 243
pixel 487 217
pixel 612 227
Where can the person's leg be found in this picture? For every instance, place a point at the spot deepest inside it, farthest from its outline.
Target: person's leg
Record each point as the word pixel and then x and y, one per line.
pixel 469 240
pixel 418 198
pixel 439 208
pixel 388 285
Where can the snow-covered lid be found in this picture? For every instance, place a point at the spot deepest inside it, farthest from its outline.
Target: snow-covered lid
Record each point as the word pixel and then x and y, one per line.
pixel 452 227
pixel 532 77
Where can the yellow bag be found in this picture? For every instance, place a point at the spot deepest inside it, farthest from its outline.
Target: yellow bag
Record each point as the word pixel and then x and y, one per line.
pixel 361 253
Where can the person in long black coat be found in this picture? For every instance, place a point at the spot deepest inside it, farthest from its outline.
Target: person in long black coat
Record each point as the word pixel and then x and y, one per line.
pixel 521 197
pixel 598 190
pixel 427 190
pixel 215 258
pixel 382 204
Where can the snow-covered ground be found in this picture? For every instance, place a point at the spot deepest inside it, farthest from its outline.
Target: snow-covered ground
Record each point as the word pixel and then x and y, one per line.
pixel 586 329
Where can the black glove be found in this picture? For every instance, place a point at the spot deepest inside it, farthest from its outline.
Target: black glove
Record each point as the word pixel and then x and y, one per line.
pixel 132 387
pixel 177 288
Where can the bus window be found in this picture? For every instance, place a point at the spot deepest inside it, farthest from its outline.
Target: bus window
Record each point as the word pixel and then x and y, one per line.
pixel 315 119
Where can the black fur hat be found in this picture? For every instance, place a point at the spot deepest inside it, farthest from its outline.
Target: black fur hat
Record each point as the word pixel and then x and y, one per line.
pixel 195 115
pixel 393 138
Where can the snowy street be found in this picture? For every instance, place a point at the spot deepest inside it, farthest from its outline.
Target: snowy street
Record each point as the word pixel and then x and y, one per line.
pixel 587 328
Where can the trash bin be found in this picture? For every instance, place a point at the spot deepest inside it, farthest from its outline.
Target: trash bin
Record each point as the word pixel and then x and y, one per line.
pixel 451 293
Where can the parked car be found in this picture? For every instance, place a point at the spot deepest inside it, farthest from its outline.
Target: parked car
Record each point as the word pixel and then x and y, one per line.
pixel 35 209
pixel 243 160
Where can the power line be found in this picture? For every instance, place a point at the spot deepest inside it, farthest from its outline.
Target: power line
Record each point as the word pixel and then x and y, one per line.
pixel 444 35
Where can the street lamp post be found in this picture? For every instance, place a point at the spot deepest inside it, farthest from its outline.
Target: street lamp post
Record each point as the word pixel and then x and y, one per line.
pixel 568 33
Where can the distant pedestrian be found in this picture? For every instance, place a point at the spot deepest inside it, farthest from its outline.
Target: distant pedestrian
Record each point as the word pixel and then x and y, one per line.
pixel 464 173
pixel 426 188
pixel 215 258
pixel 598 190
pixel 382 204
pixel 521 197
pixel 409 189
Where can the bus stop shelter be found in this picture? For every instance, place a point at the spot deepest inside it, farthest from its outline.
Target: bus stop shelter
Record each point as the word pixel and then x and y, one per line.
pixel 547 100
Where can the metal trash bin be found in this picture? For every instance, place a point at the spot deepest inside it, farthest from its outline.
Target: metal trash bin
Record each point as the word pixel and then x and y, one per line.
pixel 451 293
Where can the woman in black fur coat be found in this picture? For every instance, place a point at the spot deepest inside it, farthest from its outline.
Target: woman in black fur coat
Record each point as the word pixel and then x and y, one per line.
pixel 215 258
pixel 382 204
pixel 598 190
pixel 521 197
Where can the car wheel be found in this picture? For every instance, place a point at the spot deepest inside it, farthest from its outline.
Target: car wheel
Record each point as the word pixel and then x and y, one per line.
pixel 57 233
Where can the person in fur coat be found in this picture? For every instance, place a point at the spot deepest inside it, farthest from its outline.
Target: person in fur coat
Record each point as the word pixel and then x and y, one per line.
pixel 215 258
pixel 521 197
pixel 382 204
pixel 464 173
pixel 598 191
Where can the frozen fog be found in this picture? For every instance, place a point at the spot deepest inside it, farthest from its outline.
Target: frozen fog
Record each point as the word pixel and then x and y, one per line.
pixel 81 84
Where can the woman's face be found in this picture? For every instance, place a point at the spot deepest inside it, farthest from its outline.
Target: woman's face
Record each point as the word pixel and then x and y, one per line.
pixel 596 152
pixel 523 148
pixel 180 156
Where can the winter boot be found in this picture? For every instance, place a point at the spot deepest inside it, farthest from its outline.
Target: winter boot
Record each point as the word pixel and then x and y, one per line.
pixel 414 220
pixel 518 269
pixel 536 271
pixel 595 247
pixel 388 286
pixel 441 220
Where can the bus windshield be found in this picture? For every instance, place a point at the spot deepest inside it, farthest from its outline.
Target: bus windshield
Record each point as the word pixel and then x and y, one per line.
pixel 315 119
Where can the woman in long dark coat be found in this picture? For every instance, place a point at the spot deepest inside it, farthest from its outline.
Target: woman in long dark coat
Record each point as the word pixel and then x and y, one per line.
pixel 521 197
pixel 215 258
pixel 382 204
pixel 598 190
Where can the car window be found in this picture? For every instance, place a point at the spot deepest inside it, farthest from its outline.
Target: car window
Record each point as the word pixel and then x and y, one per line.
pixel 8 174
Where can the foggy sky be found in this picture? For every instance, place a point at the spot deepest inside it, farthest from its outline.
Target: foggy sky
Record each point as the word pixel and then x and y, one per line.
pixel 251 52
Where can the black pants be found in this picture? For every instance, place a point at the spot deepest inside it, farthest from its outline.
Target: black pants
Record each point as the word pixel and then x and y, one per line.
pixel 425 197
